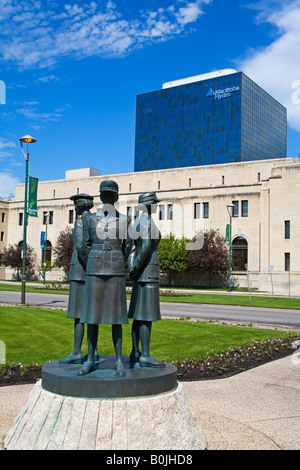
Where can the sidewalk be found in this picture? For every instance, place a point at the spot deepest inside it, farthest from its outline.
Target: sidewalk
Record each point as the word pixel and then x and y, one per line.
pixel 255 410
pixel 193 291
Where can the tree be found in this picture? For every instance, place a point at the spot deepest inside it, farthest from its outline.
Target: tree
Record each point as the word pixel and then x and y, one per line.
pixel 11 257
pixel 63 250
pixel 212 259
pixel 172 255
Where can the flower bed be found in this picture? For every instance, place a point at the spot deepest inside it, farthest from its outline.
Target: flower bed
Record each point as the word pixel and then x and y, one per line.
pixel 236 360
pixel 53 286
pixel 213 366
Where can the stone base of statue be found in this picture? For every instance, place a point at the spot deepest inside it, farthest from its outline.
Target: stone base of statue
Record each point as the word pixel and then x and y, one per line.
pixel 146 410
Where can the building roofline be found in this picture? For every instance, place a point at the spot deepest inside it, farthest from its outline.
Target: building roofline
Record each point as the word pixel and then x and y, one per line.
pixel 199 78
pixel 284 161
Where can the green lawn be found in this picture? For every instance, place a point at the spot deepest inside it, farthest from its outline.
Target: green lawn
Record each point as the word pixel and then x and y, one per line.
pixel 211 298
pixel 17 288
pixel 240 300
pixel 33 335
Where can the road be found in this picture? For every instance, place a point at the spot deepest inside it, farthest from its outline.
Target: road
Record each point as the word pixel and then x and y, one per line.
pixel 264 316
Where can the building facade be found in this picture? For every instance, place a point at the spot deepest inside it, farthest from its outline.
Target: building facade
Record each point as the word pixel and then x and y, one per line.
pixel 216 118
pixel 265 223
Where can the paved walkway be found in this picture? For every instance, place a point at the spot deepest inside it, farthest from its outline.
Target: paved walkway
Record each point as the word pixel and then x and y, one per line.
pixel 255 410
pixel 190 290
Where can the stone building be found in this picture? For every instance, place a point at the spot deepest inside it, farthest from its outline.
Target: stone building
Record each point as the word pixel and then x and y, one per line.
pixel 265 222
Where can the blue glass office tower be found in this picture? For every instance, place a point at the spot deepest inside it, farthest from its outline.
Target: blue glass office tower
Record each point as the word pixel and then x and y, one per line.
pixel 224 119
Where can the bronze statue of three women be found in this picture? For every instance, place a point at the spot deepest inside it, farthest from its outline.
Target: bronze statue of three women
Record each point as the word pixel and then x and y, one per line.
pixel 103 243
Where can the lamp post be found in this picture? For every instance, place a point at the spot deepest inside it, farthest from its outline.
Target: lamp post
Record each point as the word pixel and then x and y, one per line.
pixel 28 140
pixel 47 215
pixel 230 212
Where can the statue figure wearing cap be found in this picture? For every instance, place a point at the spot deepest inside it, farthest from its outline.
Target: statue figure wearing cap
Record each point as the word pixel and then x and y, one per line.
pixel 143 265
pixel 105 238
pixel 83 203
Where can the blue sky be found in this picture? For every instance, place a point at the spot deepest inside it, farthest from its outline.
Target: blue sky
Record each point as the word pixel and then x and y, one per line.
pixel 73 69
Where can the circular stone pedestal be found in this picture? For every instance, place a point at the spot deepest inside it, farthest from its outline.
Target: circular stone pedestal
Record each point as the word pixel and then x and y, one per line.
pixel 57 422
pixel 104 383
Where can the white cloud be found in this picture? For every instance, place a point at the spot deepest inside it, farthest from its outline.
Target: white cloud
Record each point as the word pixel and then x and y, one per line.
pixel 6 144
pixel 8 184
pixel 33 114
pixel 276 68
pixel 48 78
pixel 38 34
pixel 189 13
pixel 30 109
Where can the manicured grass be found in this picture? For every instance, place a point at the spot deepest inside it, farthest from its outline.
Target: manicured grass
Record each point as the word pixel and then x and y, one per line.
pixel 38 290
pixel 211 298
pixel 33 335
pixel 239 300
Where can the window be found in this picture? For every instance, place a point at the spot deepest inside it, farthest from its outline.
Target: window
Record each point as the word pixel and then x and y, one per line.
pixel 205 210
pixel 129 187
pixel 287 261
pixel 235 212
pixel 158 185
pixel 3 217
pixel 287 229
pixel 77 190
pixel 71 216
pixel 197 210
pixel 2 236
pixel 190 182
pixel 48 252
pixel 258 177
pixel 50 217
pixel 223 179
pixel 20 218
pixel 170 212
pixel 53 192
pixel 244 208
pixel 239 254
pixel 161 213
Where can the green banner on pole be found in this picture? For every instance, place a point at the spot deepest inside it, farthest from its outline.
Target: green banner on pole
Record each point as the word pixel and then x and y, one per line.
pixel 32 198
pixel 228 235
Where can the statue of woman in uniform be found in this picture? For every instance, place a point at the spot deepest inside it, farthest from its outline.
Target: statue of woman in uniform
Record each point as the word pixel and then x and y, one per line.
pixel 83 203
pixel 143 265
pixel 104 235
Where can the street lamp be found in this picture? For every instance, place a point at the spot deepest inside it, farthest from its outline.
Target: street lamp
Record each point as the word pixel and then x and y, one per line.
pixel 28 140
pixel 47 216
pixel 230 208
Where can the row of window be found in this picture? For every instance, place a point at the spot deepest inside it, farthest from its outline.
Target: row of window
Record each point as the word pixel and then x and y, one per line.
pixel 190 182
pixel 46 215
pixel 54 192
pixel 236 208
pixel 165 212
pixel 197 210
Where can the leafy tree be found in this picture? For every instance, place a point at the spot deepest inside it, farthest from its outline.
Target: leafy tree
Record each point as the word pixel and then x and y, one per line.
pixel 11 257
pixel 212 259
pixel 172 255
pixel 63 250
